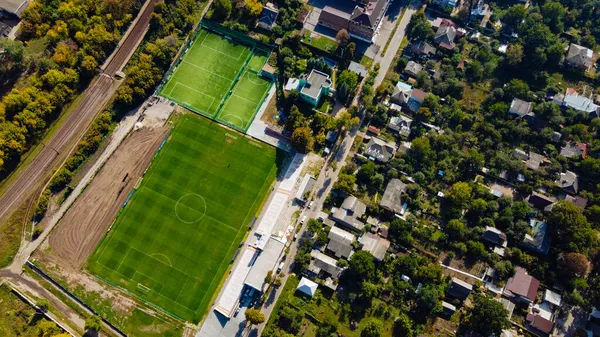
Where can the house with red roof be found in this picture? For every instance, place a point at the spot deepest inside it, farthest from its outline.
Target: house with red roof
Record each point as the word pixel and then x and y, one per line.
pixel 522 287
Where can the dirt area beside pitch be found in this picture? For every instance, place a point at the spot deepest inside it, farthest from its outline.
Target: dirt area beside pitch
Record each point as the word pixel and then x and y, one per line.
pixel 86 222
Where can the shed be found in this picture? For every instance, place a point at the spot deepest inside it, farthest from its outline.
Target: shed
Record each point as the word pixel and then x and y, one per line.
pixel 459 289
pixel 307 287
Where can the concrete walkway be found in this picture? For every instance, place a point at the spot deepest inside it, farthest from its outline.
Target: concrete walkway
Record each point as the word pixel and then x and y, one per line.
pixel 259 130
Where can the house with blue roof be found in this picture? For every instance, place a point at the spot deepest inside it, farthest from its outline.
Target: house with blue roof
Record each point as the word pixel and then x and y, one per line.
pixel 539 240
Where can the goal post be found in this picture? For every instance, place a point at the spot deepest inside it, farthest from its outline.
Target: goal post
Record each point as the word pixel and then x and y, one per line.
pixel 142 288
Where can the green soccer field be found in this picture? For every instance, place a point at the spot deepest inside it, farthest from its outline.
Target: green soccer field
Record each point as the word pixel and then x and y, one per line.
pixel 173 242
pixel 219 79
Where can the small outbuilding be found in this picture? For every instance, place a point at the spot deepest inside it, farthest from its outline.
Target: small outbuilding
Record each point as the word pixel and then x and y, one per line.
pixel 307 287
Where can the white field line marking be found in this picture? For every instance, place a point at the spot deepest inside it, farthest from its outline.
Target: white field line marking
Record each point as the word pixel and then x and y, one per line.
pixel 243 227
pixel 180 290
pixel 170 264
pixel 208 71
pixel 220 52
pixel 200 92
pixel 162 286
pixel 263 84
pixel 245 99
pixel 241 120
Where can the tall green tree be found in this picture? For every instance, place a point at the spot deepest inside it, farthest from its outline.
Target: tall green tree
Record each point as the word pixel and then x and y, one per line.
pixel 488 317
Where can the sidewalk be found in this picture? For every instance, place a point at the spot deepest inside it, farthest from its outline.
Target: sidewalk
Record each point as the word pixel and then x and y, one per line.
pixel 259 129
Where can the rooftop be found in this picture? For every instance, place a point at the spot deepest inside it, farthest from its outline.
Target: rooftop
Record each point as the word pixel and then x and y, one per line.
pixel 522 284
pixel 541 201
pixel 375 245
pixel 520 107
pixel 391 199
pixel 307 287
pixel 401 93
pixel 579 103
pixel 574 149
pixel 321 262
pixel 340 242
pixel 348 214
pixel 459 289
pixel 380 150
pixel 422 48
pixel 358 68
pixel 552 297
pixel 268 17
pixel 14 6
pixel 267 260
pixel 315 82
pixel 371 14
pixel 580 55
pixel 444 36
pixel 494 236
pixel 568 181
pixel 538 241
pixel 413 68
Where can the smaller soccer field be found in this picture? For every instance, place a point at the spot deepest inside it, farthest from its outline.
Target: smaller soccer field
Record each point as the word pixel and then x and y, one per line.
pixel 245 99
pixel 174 240
pixel 206 72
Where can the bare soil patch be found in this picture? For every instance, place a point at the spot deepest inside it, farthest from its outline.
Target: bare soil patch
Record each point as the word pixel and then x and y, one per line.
pixel 84 225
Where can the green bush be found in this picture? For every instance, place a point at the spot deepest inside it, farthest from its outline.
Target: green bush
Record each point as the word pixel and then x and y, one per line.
pixel 60 180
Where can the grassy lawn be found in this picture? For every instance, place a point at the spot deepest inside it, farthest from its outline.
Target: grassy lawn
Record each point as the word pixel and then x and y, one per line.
pixel 325 304
pixel 10 233
pixel 320 42
pixel 366 61
pixel 206 73
pixel 173 242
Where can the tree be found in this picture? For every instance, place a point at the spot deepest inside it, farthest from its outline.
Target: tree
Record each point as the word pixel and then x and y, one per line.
pixel 428 299
pixel 222 8
pixel 255 7
pixel 514 54
pixel 328 327
pixel 345 183
pixel 93 323
pixel 460 194
pixel 456 229
pixel 254 316
pixel 403 326
pixel 346 85
pixel 342 38
pixel 362 265
pixel 48 328
pixel 504 269
pixel 42 304
pixel 303 140
pixel 372 328
pixel 554 13
pixel 575 264
pixel 488 317
pixel 572 231
pixel 290 319
pixel 517 88
pixel 514 15
pixel 419 27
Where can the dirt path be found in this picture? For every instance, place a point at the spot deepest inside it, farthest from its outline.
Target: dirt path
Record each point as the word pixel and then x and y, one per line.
pixel 87 220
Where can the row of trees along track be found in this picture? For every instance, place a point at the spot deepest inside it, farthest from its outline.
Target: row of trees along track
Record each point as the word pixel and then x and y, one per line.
pixel 78 42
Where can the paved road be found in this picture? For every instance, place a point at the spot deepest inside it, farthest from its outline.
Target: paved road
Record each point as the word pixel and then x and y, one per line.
pixel 328 175
pixel 386 60
pixel 95 97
